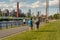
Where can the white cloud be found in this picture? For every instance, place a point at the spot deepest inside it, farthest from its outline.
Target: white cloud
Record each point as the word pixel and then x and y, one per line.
pixel 5 5
pixel 43 4
pixel 52 3
pixel 38 3
pixel 19 0
pixel 33 5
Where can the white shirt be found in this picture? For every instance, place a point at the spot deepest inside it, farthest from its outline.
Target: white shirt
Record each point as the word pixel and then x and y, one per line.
pixel 23 20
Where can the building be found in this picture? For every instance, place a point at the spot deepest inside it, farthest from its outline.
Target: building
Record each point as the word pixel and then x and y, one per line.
pixel 6 12
pixel 0 12
pixel 19 13
pixel 17 9
pixel 29 13
pixel 38 14
pixel 13 13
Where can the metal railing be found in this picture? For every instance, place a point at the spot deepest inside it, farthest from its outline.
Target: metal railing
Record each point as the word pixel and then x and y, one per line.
pixel 7 24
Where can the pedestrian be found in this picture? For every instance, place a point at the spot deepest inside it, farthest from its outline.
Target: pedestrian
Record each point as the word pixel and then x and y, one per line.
pixel 37 23
pixel 30 22
pixel 24 21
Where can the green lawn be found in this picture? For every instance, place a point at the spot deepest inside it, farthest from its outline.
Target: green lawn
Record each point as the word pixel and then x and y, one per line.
pixel 49 31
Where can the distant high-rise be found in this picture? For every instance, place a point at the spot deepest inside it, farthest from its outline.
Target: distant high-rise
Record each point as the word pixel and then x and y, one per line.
pixel 6 12
pixel 20 11
pixel 29 13
pixel 38 14
pixel 13 13
pixel 17 9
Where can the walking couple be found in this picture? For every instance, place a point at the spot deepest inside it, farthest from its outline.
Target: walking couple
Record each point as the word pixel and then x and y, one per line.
pixel 37 22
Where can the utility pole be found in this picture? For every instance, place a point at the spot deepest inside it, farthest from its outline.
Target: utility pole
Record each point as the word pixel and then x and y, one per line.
pixel 59 9
pixel 59 6
pixel 47 9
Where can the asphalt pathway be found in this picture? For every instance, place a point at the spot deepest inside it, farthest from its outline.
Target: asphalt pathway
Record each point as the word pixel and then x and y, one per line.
pixel 8 32
pixel 12 31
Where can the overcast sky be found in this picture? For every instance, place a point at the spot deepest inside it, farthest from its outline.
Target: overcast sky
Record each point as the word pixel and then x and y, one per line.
pixel 34 5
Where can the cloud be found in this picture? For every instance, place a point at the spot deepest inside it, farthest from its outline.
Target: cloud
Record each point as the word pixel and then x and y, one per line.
pixel 23 3
pixel 33 5
pixel 41 3
pixel 36 4
pixel 5 5
pixel 2 4
pixel 19 0
pixel 52 3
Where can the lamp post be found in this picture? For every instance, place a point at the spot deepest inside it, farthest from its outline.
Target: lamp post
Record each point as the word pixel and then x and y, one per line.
pixel 47 9
pixel 59 6
pixel 59 9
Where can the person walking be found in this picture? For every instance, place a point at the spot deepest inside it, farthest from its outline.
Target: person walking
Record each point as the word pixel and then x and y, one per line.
pixel 37 23
pixel 30 22
pixel 24 21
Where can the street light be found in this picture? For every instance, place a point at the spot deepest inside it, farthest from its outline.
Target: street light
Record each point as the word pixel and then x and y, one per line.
pixel 59 9
pixel 59 6
pixel 47 8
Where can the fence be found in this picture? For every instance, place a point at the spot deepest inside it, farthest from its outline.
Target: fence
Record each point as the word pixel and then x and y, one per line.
pixel 7 24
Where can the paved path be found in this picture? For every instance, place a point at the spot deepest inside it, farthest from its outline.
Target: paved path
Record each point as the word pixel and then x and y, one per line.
pixel 12 31
pixel 8 32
